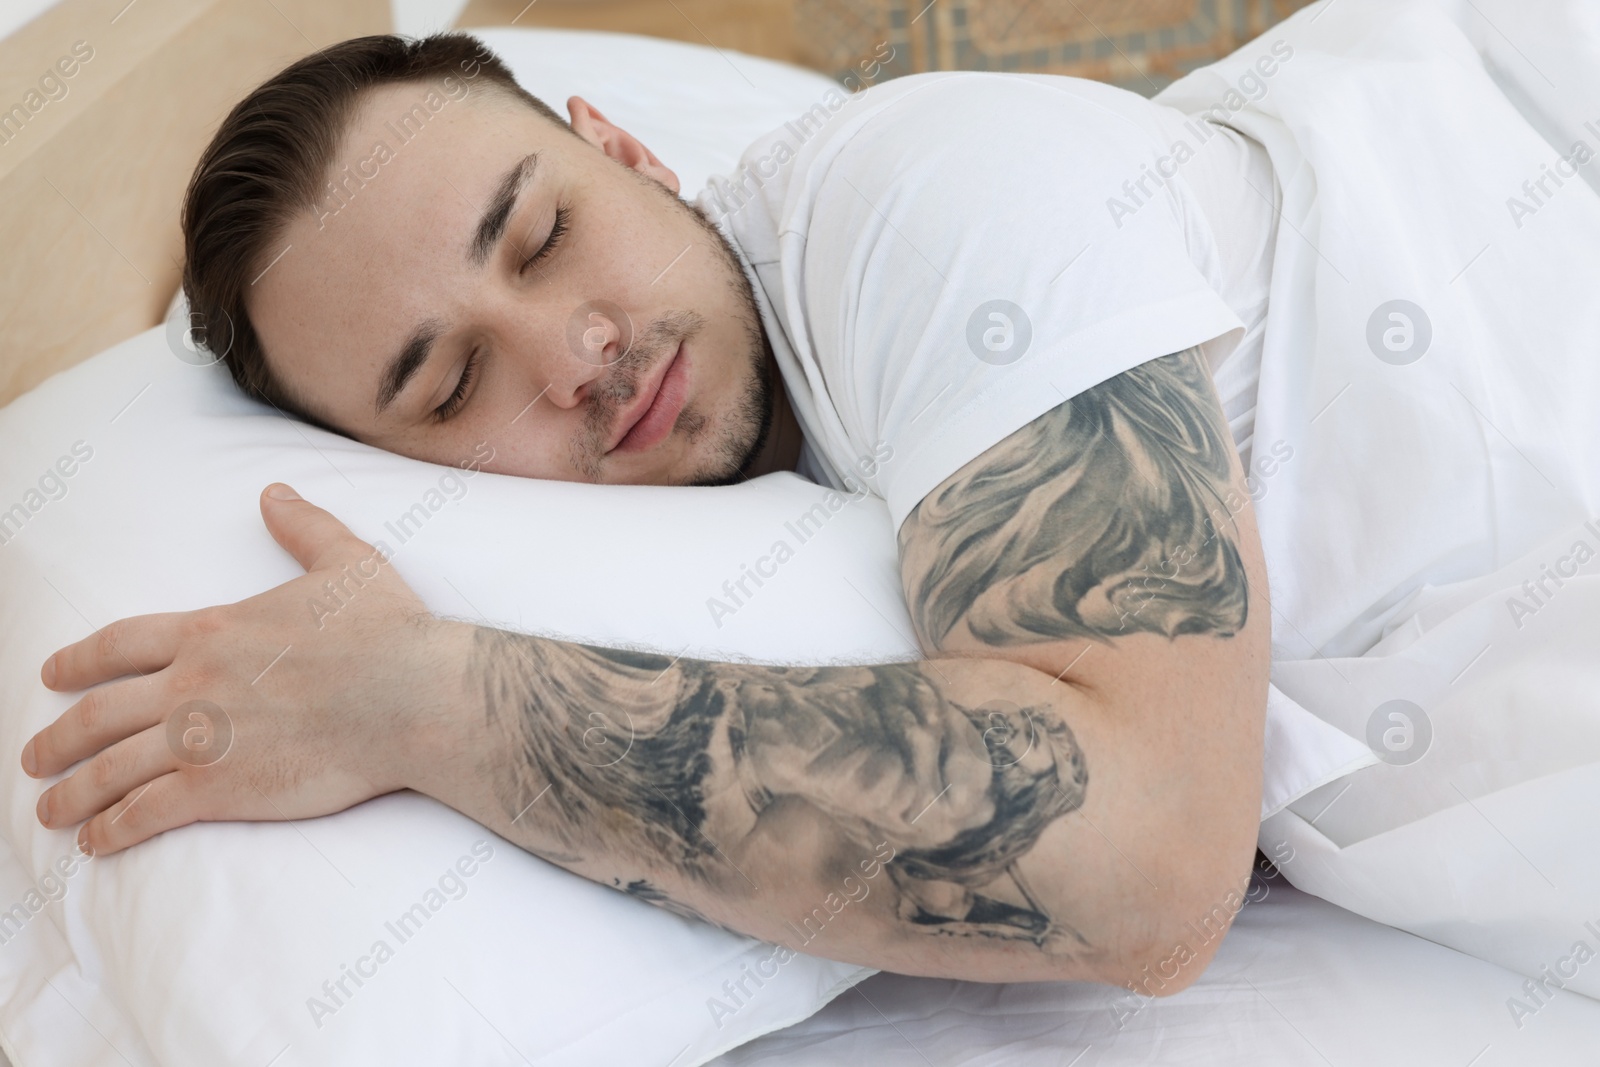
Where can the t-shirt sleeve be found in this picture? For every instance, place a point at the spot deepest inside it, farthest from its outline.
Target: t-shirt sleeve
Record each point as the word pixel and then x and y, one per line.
pixel 982 250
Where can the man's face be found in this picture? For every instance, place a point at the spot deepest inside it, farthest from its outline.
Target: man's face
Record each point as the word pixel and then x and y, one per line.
pixel 406 311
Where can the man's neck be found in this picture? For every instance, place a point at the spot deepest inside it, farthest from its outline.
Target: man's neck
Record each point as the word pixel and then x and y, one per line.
pixel 781 452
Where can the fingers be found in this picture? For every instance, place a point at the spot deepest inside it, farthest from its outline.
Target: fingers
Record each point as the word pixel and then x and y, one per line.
pixel 138 645
pixel 167 802
pixel 103 717
pixel 311 535
pixel 111 775
pixel 164 803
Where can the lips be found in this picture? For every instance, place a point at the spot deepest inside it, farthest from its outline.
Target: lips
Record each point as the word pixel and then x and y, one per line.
pixel 650 408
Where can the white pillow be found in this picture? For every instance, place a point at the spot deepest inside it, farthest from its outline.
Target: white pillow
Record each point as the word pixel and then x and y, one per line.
pixel 697 108
pixel 135 477
pixel 245 922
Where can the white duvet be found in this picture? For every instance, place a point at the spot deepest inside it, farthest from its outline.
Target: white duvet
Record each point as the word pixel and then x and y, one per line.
pixel 1433 356
pixel 1297 983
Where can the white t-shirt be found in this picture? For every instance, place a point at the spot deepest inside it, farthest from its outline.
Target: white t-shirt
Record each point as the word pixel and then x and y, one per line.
pixel 878 228
pixel 942 258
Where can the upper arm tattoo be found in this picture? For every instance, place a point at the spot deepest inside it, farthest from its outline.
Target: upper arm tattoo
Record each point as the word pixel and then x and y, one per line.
pixel 1102 517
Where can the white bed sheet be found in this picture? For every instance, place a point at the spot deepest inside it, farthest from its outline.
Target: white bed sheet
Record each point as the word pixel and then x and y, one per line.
pixel 1299 981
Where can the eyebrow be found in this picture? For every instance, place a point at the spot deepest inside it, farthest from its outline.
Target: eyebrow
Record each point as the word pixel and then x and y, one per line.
pixel 413 354
pixel 491 228
pixel 493 224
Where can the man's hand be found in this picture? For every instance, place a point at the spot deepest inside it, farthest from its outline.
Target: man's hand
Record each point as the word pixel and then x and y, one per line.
pixel 295 703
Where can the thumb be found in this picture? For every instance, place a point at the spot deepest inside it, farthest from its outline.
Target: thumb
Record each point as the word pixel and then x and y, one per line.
pixel 308 533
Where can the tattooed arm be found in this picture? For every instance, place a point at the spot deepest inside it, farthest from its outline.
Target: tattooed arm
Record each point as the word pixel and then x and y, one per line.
pixel 1065 788
pixel 1082 590
pixel 855 812
pixel 1110 545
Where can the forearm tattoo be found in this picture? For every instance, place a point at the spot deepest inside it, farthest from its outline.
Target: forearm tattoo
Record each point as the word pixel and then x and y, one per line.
pixel 632 756
pixel 1099 518
pixel 1103 517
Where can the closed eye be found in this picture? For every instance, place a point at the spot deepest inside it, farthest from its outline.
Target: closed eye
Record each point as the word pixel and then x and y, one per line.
pixel 452 403
pixel 458 396
pixel 557 229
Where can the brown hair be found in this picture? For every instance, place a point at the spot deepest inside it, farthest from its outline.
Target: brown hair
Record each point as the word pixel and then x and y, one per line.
pixel 271 158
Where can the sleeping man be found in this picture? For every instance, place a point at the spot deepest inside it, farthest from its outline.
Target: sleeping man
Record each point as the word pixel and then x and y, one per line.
pixel 973 295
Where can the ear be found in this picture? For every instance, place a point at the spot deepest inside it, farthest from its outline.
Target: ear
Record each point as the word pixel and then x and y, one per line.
pixel 619 144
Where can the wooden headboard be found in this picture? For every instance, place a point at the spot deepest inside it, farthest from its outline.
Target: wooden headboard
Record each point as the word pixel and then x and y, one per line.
pixel 105 106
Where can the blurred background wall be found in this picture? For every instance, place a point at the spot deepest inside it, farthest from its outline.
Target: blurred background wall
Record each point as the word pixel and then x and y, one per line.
pixel 1138 44
pixel 1141 45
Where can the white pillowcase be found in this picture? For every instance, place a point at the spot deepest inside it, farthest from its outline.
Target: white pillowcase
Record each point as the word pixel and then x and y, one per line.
pixel 697 108
pixel 137 477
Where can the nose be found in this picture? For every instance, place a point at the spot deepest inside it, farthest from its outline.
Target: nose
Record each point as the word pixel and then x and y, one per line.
pixel 598 335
